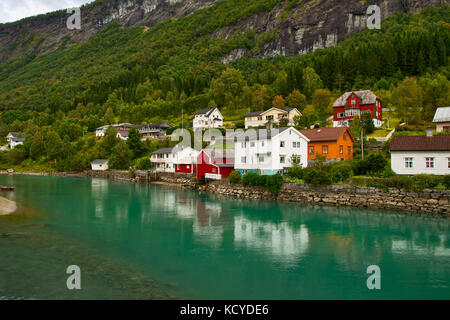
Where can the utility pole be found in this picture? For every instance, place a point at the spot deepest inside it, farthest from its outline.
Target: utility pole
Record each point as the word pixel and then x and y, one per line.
pixel 362 144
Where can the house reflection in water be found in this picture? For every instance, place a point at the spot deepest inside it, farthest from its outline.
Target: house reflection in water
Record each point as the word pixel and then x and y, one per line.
pixel 280 241
pixel 99 192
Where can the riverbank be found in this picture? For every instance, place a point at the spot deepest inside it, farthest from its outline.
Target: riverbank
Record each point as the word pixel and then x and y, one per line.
pixel 7 206
pixel 425 202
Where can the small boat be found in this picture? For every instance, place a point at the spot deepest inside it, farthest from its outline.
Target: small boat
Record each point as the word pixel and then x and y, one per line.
pixel 6 188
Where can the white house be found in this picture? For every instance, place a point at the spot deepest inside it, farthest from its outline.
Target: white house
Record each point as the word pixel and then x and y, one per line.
pixel 442 119
pixel 162 160
pixel 13 139
pixel 99 165
pixel 177 159
pixel 268 151
pixel 261 118
pixel 207 119
pixel 120 127
pixel 428 154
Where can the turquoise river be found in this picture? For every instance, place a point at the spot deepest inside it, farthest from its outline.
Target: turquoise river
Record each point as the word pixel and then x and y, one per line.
pixel 156 242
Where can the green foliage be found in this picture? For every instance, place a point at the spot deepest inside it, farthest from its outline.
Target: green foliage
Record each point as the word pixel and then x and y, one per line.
pixel 134 143
pixel 120 156
pixel 143 163
pixel 295 172
pixel 367 122
pixel 235 177
pixel 446 181
pixel 254 180
pixel 317 176
pixel 37 148
pixel 375 163
pixel 16 155
pixel 274 182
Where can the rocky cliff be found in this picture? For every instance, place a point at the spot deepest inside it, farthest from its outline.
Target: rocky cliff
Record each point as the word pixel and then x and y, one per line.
pixel 298 29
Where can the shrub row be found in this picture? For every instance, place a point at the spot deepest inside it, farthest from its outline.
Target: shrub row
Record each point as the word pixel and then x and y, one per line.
pixel 273 183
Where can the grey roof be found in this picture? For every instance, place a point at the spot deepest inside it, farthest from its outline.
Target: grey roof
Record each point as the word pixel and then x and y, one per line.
pixel 163 150
pixel 366 96
pixel 17 134
pixel 260 134
pixel 99 161
pixel 124 134
pixel 18 139
pixel 206 112
pixel 442 115
pixel 161 125
pixel 253 114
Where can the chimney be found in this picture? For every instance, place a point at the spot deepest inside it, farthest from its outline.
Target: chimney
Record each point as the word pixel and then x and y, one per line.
pixel 269 125
pixel 429 131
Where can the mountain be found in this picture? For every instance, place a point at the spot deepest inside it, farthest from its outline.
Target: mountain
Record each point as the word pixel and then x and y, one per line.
pixel 298 26
pixel 142 61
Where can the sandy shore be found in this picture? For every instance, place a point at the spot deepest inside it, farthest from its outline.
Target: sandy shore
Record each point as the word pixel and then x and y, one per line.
pixel 7 206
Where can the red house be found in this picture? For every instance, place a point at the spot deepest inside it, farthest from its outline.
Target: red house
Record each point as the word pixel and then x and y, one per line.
pixel 209 167
pixel 355 103
pixel 188 168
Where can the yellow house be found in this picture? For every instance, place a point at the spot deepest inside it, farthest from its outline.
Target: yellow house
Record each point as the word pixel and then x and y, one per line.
pixel 260 118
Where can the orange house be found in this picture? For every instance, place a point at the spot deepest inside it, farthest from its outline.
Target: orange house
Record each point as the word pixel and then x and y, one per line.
pixel 334 143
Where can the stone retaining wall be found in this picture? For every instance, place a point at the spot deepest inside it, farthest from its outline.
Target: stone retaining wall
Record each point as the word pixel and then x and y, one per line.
pixel 427 201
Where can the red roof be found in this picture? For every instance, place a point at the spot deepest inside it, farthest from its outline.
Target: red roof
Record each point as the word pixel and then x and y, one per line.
pixel 325 134
pixel 421 143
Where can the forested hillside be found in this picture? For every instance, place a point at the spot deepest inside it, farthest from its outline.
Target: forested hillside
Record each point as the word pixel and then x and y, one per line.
pixel 142 75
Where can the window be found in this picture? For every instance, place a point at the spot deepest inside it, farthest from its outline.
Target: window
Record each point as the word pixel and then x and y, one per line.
pixel 244 144
pixel 269 117
pixel 345 136
pixel 448 163
pixel 259 118
pixel 214 170
pixel 252 144
pixel 311 150
pixel 341 114
pixel 408 162
pixel 188 167
pixel 296 158
pixel 296 144
pixel 282 159
pixel 282 144
pixel 244 159
pixel 261 159
pixel 325 149
pixel 429 163
pixel 262 143
pixel 341 149
pixel 349 149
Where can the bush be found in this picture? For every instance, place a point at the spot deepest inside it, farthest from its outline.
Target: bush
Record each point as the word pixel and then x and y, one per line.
pixel 399 182
pixel 235 177
pixel 340 173
pixel 424 181
pixel 296 172
pixel 143 164
pixel 254 180
pixel 317 177
pixel 446 181
pixel 274 183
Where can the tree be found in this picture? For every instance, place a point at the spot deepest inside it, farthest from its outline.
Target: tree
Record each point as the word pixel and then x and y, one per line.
pixel 355 127
pixel 279 102
pixel 262 97
pixel 16 155
pixel 231 82
pixel 53 145
pixel 367 122
pixel 312 81
pixel 296 100
pixel 37 147
pixel 408 100
pixel 120 156
pixel 109 140
pixel 109 117
pixel 321 101
pixel 281 83
pixel 436 89
pixel 134 143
